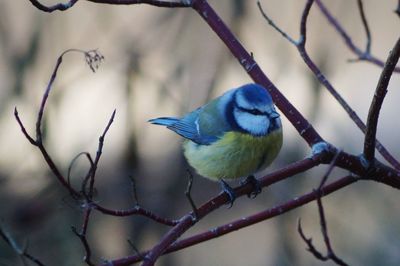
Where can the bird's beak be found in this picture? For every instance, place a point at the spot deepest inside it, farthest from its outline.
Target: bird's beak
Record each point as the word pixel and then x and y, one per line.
pixel 273 115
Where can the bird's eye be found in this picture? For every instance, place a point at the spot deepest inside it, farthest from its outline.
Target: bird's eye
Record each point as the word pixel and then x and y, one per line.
pixel 255 112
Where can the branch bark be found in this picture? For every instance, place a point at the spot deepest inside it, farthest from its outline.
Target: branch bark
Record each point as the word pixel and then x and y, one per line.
pixel 377 101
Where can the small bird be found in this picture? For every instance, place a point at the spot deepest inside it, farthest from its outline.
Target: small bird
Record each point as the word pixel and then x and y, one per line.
pixel 232 136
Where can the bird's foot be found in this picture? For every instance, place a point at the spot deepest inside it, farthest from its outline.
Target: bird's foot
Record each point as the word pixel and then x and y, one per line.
pixel 257 188
pixel 229 191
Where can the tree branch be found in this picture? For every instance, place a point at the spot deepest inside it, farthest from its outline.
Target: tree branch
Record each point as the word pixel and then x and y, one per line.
pixel 242 222
pixel 324 228
pixel 168 4
pixel 60 6
pixel 301 47
pixel 377 101
pixel 362 55
pixel 71 3
pixel 20 251
pixel 366 27
pixel 82 237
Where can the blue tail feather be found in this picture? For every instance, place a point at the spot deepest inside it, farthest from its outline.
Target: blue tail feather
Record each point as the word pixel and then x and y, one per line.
pixel 164 121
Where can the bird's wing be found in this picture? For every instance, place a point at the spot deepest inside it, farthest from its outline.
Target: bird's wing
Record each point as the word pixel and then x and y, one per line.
pixel 203 126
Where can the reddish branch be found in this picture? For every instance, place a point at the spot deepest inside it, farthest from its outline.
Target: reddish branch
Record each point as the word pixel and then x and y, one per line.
pixel 377 101
pixel 82 236
pixel 93 59
pixel 182 3
pixel 71 3
pixel 362 55
pixel 301 47
pixel 242 222
pixel 324 228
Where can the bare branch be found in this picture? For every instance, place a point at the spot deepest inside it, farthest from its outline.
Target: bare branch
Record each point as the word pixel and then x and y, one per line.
pixel 184 223
pixel 377 101
pixel 71 3
pixel 189 196
pixel 71 164
pixel 82 237
pixel 273 25
pixel 245 221
pixel 169 4
pixel 137 210
pixel 98 155
pixel 21 125
pixel 20 251
pixel 362 55
pixel 93 58
pixel 60 6
pixel 134 190
pixel 301 47
pixel 310 245
pixel 366 27
pixel 324 228
pixel 329 171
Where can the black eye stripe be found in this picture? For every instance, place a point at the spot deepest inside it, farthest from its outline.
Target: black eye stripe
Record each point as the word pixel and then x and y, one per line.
pixel 251 111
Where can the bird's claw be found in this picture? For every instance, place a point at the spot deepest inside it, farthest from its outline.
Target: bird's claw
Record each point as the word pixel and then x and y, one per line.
pixel 229 191
pixel 257 188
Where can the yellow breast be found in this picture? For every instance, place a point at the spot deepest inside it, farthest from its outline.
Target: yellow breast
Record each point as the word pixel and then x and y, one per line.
pixel 234 155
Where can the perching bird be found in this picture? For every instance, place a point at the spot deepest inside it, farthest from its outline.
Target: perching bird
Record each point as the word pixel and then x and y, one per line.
pixel 232 136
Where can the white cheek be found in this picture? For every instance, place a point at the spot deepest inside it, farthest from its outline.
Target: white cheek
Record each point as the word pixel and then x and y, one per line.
pixel 254 124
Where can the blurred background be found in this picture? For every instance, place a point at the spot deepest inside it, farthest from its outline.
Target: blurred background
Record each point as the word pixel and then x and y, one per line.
pixel 166 62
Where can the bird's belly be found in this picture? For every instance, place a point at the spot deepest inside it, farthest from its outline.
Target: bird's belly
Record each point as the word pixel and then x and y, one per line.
pixel 234 155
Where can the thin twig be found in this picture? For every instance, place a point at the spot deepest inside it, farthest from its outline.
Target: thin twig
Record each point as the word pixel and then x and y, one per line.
pixel 310 245
pixel 136 210
pixel 273 25
pixel 134 190
pixel 20 251
pixel 329 170
pixel 377 101
pixel 98 155
pixel 21 125
pixel 135 249
pixel 158 3
pixel 85 243
pixel 347 39
pixel 71 164
pixel 366 27
pixel 324 228
pixel 189 195
pixel 92 58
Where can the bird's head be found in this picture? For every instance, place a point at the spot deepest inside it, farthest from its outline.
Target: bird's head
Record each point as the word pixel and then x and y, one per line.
pixel 253 110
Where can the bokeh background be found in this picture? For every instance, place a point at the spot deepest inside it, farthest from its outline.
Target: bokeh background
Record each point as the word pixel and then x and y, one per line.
pixel 167 62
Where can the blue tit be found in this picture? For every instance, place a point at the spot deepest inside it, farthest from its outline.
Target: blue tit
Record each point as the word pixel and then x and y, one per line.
pixel 232 136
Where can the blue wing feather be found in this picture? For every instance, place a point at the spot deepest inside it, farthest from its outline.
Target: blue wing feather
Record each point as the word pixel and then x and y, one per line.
pixel 204 125
pixel 185 127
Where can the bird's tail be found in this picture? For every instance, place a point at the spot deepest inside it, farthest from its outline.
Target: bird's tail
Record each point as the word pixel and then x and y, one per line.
pixel 164 121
